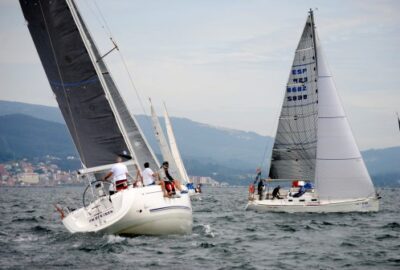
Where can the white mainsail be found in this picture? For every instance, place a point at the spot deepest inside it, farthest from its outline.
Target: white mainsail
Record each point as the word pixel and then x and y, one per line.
pixel 163 144
pixel 174 148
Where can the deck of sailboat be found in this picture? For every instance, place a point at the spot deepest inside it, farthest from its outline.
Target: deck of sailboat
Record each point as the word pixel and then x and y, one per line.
pixel 311 204
pixel 141 210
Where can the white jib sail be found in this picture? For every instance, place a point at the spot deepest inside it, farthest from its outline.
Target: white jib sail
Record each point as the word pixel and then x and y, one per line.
pixel 340 169
pixel 162 142
pixel 174 148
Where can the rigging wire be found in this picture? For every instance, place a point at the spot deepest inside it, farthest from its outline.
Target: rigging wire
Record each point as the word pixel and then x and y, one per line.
pixel 149 152
pixel 269 144
pixel 107 30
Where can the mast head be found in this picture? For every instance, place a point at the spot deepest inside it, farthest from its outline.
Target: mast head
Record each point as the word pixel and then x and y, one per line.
pixel 311 11
pixel 311 14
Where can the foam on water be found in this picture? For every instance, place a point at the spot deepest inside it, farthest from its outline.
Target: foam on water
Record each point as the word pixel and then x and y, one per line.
pixel 224 237
pixel 112 239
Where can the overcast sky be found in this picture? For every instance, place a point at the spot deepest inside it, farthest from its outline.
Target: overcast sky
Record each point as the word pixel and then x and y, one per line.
pixel 226 62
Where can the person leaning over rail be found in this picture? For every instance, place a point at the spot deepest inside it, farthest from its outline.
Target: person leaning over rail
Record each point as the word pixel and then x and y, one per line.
pixel 119 171
pixel 168 183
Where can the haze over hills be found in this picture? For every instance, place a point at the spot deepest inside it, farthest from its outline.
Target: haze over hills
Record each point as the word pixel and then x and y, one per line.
pixel 21 135
pixel 52 114
pixel 196 140
pixel 224 154
pixel 28 130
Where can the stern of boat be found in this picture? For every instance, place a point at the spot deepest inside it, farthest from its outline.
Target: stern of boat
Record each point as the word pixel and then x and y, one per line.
pixel 138 211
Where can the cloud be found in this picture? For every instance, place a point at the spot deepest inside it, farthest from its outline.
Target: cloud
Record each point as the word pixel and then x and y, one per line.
pixel 226 62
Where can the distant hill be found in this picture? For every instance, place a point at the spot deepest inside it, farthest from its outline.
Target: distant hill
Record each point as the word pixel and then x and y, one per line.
pixel 23 136
pixel 225 154
pixel 42 112
pixel 228 147
pixel 380 161
pixel 231 148
pixel 383 165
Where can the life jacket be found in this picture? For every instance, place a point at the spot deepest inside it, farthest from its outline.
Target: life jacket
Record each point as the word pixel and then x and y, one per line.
pixel 251 188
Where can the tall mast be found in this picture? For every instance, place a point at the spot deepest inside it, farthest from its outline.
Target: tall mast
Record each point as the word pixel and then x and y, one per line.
pixel 295 146
pixel 89 45
pixel 135 140
pixel 314 39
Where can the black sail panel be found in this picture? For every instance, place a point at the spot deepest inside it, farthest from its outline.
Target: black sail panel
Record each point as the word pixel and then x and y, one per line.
pixel 140 148
pixel 74 81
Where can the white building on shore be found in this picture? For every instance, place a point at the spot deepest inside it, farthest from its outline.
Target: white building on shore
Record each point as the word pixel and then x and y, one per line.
pixel 204 180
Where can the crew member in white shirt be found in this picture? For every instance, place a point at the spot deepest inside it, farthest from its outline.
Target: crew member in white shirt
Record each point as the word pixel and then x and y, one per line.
pixel 119 171
pixel 149 177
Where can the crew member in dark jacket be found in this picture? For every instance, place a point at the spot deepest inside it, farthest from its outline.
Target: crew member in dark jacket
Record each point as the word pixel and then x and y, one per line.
pixel 275 193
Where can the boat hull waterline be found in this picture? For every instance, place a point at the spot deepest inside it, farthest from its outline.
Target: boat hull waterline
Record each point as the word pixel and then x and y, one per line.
pixel 135 211
pixel 323 206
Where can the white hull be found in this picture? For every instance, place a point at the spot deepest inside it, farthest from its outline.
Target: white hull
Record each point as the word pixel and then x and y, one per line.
pixel 137 211
pixel 323 206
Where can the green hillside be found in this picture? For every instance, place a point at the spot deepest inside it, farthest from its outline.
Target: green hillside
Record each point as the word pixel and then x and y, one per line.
pixel 224 154
pixel 23 136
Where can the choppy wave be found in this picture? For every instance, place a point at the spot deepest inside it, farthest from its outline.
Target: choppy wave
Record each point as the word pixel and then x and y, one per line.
pixel 224 237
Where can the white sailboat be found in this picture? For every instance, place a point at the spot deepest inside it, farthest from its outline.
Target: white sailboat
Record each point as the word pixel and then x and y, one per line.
pixel 177 156
pixel 169 149
pixel 102 128
pixel 314 142
pixel 163 144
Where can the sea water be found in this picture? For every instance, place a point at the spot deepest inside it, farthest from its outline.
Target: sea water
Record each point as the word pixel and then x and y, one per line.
pixel 224 236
